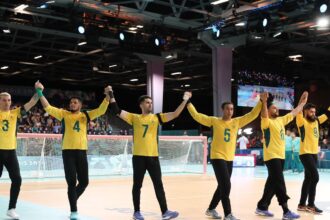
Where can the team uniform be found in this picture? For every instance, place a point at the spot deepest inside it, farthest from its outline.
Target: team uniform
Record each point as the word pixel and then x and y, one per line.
pixel 274 155
pixel 309 133
pixel 223 150
pixel 8 157
pixel 145 155
pixel 74 147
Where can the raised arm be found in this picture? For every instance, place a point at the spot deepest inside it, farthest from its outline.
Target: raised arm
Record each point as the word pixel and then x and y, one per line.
pixel 115 110
pixel 264 109
pixel 55 112
pixel 172 115
pixel 324 117
pixel 302 102
pixel 31 103
pixel 103 106
pixel 253 114
pixel 199 117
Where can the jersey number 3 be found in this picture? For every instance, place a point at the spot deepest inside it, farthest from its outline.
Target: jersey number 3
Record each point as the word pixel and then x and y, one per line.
pixel 5 125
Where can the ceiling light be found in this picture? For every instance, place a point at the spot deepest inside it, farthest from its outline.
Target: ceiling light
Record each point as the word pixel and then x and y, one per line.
pixel 112 65
pixel 81 29
pixel 37 57
pixel 139 26
pixel 169 56
pixel 186 85
pixel 132 28
pixel 277 34
pixel 240 24
pixel 82 43
pixel 134 80
pixel 323 22
pixel 219 2
pixel 6 31
pixel 20 7
pixel 176 73
pixel 4 67
pixel 323 8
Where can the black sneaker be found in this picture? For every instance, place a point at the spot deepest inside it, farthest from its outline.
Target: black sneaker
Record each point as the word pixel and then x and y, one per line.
pixel 314 209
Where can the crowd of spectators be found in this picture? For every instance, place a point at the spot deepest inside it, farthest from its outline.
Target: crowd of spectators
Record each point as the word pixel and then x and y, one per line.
pixel 246 77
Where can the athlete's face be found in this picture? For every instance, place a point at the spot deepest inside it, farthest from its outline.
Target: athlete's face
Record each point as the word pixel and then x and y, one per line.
pixel 146 106
pixel 273 111
pixel 228 111
pixel 5 102
pixel 75 105
pixel 310 114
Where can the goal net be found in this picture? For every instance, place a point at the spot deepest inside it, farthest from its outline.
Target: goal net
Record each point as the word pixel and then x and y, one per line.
pixel 40 155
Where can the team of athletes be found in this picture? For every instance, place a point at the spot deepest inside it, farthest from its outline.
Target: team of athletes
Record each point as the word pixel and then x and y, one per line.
pixel 145 149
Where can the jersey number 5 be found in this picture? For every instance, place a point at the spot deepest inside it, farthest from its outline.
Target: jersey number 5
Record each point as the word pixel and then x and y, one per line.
pixel 227 135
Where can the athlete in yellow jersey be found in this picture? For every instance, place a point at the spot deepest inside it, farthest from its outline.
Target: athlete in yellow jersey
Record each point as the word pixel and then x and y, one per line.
pixel 145 149
pixel 308 126
pixel 223 147
pixel 8 157
pixel 74 146
pixel 274 153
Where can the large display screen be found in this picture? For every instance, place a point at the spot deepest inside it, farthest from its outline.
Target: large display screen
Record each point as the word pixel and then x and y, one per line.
pixel 248 96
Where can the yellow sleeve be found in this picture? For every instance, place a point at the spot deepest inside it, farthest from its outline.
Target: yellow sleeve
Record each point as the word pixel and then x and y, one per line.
pixel 323 118
pixel 300 119
pixel 200 118
pixel 286 119
pixel 163 118
pixel 264 123
pixel 55 112
pixel 17 112
pixel 253 114
pixel 99 111
pixel 128 117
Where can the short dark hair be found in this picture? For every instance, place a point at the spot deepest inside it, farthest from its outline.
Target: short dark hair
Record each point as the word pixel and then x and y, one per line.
pixel 223 105
pixel 76 97
pixel 142 98
pixel 309 106
pixel 270 100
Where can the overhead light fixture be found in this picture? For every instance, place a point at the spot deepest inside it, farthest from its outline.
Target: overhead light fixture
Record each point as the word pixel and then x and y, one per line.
pixel 264 22
pixel 323 22
pixel 4 67
pixel 50 2
pixel 215 32
pixel 132 28
pixel 295 58
pixel 6 31
pixel 139 26
pixel 232 79
pixel 240 24
pixel 277 34
pixel 20 8
pixel 169 56
pixel 186 85
pixel 82 43
pixel 323 8
pixel 219 2
pixel 111 66
pixel 134 80
pixel 121 36
pixel 176 73
pixel 43 6
pixel 38 57
pixel 81 29
pixel 157 42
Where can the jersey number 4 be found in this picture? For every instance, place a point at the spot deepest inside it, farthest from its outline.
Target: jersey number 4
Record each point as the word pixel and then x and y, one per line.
pixel 76 126
pixel 5 125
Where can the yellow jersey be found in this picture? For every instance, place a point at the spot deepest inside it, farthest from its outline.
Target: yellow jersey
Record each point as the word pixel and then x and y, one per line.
pixel 224 132
pixel 74 125
pixel 309 133
pixel 145 133
pixel 274 131
pixel 8 125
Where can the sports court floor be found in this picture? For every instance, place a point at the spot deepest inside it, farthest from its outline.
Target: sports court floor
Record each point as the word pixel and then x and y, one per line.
pixel 110 198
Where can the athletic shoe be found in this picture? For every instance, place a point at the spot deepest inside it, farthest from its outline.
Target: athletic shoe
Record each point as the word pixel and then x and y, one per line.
pixel 290 215
pixel 230 217
pixel 213 214
pixel 170 215
pixel 302 208
pixel 138 216
pixel 12 214
pixel 74 216
pixel 313 209
pixel 265 213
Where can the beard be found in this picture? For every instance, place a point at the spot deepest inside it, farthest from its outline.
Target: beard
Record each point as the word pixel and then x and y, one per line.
pixel 274 115
pixel 311 118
